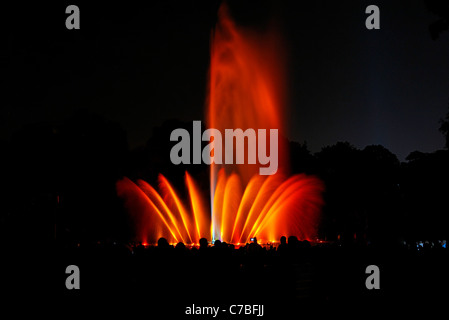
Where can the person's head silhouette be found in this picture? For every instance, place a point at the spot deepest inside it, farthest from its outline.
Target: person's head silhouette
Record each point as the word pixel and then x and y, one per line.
pixel 203 243
pixel 283 240
pixel 162 242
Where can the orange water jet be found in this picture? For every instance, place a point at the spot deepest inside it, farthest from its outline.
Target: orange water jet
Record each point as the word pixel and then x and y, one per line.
pixel 267 208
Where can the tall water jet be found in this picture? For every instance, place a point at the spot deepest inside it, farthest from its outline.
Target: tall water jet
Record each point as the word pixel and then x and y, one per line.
pixel 246 91
pixel 246 88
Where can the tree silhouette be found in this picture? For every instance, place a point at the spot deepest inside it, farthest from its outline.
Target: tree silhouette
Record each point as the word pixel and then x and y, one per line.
pixel 302 161
pixel 441 9
pixel 340 169
pixel 362 193
pixel 444 128
pixel 424 189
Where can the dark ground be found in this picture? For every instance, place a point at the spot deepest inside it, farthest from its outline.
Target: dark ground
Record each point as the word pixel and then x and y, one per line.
pixel 320 279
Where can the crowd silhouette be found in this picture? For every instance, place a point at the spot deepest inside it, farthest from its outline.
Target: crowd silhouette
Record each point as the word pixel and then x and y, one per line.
pixel 283 272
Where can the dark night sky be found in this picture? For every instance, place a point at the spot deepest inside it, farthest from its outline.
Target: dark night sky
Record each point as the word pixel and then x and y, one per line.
pixel 140 66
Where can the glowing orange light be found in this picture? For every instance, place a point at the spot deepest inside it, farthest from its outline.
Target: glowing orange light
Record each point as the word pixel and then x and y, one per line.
pixel 287 207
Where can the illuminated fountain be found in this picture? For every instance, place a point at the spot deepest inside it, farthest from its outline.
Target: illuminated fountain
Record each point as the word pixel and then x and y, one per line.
pixel 246 90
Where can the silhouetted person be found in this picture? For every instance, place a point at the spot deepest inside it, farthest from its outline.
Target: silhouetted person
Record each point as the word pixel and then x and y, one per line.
pixel 162 243
pixel 282 248
pixel 139 249
pixel 203 243
pixel 180 246
pixel 254 247
pixel 253 262
pixel 204 251
pixel 293 247
pixel 306 244
pixel 293 242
